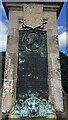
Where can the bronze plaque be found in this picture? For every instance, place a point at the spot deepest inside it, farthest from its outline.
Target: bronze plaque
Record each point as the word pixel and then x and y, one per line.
pixel 32 64
pixel 32 98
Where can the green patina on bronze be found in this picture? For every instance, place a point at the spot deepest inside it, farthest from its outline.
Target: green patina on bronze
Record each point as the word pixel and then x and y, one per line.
pixel 32 89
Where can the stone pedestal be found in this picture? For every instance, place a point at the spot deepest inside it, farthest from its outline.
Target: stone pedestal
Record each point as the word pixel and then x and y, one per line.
pixel 33 14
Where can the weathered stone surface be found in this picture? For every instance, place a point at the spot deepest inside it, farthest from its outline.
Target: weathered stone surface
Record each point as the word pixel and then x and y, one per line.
pixel 33 0
pixel 8 88
pixel 0 82
pixel 10 76
pixel 51 19
pixel 32 15
pixel 13 4
pixel 54 71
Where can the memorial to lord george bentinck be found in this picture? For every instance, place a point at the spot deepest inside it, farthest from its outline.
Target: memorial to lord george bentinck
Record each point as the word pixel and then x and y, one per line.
pixel 32 79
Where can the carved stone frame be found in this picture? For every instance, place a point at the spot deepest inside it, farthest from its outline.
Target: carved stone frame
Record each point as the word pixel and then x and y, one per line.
pixel 54 73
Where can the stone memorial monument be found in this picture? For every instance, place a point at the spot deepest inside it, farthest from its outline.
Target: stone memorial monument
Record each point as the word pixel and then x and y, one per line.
pixel 32 81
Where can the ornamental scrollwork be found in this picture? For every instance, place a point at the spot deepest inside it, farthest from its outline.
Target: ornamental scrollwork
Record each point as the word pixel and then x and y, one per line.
pixel 33 107
pixel 40 27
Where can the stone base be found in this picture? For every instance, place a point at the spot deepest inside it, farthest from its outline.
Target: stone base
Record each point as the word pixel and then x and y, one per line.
pixel 39 118
pixel 49 117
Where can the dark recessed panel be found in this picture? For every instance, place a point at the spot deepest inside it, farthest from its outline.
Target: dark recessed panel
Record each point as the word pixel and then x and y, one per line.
pixel 32 64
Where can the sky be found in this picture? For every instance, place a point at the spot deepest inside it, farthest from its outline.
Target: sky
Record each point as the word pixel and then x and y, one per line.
pixel 62 28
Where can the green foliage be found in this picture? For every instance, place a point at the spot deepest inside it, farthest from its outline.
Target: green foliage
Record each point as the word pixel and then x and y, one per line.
pixel 3 64
pixel 64 71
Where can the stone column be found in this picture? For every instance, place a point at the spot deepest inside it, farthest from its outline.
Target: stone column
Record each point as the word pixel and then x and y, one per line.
pixel 10 78
pixel 54 72
pixel 55 87
pixel 0 82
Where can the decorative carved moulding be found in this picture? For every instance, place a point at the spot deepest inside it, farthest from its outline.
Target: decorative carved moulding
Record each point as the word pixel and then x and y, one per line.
pixel 42 25
pixel 33 0
pixel 33 107
pixel 49 5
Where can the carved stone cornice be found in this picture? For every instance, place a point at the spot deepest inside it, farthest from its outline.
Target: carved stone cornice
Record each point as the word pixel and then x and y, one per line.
pixel 52 5
pixel 33 1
